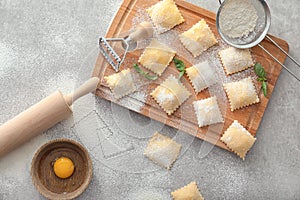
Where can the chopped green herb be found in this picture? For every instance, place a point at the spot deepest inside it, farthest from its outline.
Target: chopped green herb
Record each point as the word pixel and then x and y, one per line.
pixel 180 66
pixel 180 74
pixel 143 73
pixel 261 73
pixel 264 87
pixel 259 70
pixel 261 79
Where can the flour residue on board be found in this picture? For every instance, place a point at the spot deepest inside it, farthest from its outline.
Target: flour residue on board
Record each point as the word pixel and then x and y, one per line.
pixel 134 101
pixel 171 39
pixel 238 18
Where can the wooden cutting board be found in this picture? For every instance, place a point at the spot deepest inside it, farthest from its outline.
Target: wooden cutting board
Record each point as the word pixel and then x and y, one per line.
pixel 184 118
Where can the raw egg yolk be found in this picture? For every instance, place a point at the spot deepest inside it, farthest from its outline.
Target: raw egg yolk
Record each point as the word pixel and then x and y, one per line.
pixel 63 167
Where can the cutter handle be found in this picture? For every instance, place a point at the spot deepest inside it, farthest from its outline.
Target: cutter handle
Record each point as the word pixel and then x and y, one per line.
pixel 143 30
pixel 87 87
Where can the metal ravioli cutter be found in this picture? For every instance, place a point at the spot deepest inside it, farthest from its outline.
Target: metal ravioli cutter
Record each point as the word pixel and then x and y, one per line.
pixel 257 35
pixel 110 47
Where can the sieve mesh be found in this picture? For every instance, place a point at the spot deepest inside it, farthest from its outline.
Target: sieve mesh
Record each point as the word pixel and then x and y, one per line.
pixel 259 32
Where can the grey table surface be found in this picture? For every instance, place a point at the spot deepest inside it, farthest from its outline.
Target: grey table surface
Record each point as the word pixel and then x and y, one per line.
pixel 50 45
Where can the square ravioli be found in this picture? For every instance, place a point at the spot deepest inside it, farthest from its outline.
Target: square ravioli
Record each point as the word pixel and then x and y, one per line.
pixel 238 139
pixel 188 192
pixel 208 111
pixel 241 93
pixel 198 38
pixel 165 15
pixel 156 57
pixel 235 60
pixel 162 150
pixel 170 94
pixel 201 76
pixel 121 83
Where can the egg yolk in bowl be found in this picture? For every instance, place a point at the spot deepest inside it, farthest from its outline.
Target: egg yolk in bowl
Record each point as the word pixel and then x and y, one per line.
pixel 63 167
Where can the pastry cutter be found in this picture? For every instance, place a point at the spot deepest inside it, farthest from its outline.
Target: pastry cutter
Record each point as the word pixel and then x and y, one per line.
pixel 40 117
pixel 143 30
pixel 259 33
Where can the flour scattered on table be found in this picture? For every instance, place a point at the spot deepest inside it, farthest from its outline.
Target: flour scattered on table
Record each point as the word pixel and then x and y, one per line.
pixel 238 18
pixel 7 56
pixel 20 158
pixel 148 195
pixel 64 82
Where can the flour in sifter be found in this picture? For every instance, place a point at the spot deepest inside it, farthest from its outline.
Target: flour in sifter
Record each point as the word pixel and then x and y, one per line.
pixel 238 18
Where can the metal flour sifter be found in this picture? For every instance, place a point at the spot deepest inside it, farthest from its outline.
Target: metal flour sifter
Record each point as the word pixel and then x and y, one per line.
pixel 257 35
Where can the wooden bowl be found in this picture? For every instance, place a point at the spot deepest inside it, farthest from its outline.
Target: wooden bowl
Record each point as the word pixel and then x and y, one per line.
pixel 44 178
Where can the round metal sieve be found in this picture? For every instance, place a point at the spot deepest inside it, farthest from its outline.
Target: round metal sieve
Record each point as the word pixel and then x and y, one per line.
pixel 257 35
pixel 259 32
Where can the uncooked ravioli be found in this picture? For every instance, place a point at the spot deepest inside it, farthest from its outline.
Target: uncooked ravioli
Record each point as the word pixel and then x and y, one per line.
pixel 162 150
pixel 121 83
pixel 238 139
pixel 156 57
pixel 170 94
pixel 241 93
pixel 238 18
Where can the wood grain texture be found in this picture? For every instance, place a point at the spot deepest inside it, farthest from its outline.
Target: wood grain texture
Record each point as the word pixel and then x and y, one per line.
pixel 184 118
pixel 44 178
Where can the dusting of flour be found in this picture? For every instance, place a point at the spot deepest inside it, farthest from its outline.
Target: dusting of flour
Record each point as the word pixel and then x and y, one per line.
pixel 135 101
pixel 7 56
pixel 238 18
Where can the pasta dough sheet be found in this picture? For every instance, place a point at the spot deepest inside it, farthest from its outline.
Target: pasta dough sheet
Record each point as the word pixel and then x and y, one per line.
pixel 162 150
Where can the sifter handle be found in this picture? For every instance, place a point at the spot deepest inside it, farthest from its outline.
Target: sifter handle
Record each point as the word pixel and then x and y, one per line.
pixel 87 87
pixel 287 69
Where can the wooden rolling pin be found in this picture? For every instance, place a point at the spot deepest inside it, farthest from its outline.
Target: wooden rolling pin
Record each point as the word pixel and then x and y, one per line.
pixel 40 117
